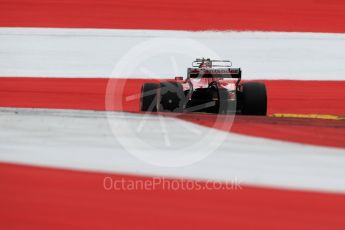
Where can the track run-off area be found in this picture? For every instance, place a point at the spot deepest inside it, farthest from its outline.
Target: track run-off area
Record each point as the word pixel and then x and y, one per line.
pixel 266 15
pixel 58 58
pixel 284 96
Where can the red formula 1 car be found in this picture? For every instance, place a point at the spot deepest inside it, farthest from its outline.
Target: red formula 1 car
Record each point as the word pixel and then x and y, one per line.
pixel 211 86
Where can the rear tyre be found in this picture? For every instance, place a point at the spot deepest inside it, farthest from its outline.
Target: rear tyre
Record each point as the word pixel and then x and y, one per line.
pixel 171 97
pixel 148 98
pixel 254 99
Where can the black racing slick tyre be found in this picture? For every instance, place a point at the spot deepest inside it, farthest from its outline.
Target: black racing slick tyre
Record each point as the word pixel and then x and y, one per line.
pixel 171 97
pixel 148 97
pixel 254 99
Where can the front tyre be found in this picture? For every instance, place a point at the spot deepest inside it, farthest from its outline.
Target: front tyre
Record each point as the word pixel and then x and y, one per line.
pixel 254 99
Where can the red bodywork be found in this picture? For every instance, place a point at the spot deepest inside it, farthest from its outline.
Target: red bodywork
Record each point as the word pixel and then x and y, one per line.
pixel 205 77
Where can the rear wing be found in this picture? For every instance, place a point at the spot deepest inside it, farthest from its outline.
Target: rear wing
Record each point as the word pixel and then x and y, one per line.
pixel 214 73
pixel 212 63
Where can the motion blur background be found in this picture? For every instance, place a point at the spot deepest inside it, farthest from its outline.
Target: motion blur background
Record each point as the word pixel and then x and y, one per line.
pixel 64 152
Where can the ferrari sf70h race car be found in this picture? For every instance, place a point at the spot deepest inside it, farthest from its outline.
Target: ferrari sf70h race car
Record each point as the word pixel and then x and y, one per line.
pixel 211 86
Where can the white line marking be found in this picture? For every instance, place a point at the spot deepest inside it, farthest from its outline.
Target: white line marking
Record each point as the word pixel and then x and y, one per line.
pixel 46 52
pixel 83 140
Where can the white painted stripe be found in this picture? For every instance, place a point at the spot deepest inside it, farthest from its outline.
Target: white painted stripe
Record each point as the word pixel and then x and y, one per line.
pixel 95 52
pixel 83 140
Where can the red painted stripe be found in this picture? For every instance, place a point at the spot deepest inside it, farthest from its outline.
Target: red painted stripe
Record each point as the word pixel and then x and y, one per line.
pixel 307 131
pixel 264 15
pixel 284 96
pixel 42 198
pixel 320 97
